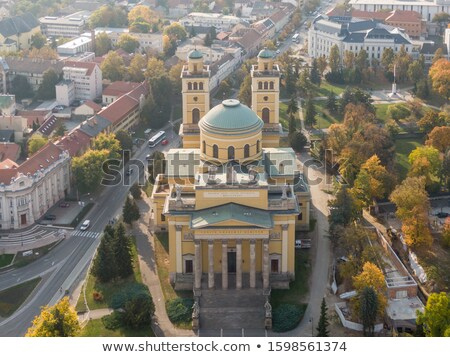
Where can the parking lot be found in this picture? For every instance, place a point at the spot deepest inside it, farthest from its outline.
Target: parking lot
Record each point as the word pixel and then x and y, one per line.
pixel 63 214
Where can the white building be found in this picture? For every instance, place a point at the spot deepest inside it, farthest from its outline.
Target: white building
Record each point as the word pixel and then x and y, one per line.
pixel 146 40
pixel 28 190
pixel 205 20
pixel 68 26
pixel 354 35
pixel 87 78
pixel 426 8
pixel 447 39
pixel 210 54
pixel 79 45
pixel 65 92
pixel 221 69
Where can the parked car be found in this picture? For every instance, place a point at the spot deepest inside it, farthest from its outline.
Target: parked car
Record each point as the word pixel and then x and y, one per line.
pixel 50 217
pixel 85 225
pixel 64 204
pixel 442 214
pixel 277 52
pixel 129 172
pixel 164 142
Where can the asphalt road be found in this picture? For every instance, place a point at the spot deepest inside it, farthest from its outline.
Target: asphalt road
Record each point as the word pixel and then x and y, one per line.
pixel 61 267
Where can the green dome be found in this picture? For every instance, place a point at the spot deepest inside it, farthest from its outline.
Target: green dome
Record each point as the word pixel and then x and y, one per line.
pixel 265 53
pixel 194 54
pixel 231 118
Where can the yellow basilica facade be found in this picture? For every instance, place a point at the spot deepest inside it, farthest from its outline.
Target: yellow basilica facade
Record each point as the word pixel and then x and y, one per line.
pixel 231 199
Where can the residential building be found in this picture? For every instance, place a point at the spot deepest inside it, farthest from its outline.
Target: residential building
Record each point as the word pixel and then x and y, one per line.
pixel 230 207
pixel 353 34
pixel 206 20
pixel 222 68
pixel 47 127
pixel 28 190
pixel 147 41
pixel 79 45
pixel 428 50
pixel 7 104
pixel 211 54
pixel 447 39
pixel 426 8
pixel 76 142
pixel 16 32
pixel 87 78
pixel 88 108
pixel 9 151
pixel 266 28
pixel 179 8
pixel 95 126
pixel 17 125
pixel 117 89
pixel 69 26
pixel 31 68
pixel 249 39
pixel 65 92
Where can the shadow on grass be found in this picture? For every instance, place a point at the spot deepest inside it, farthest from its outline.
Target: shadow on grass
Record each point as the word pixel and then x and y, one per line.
pixel 12 298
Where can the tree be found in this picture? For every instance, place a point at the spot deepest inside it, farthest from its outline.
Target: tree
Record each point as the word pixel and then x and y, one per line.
pixel 130 211
pixel 387 58
pixel 368 300
pixel 137 67
pixel 155 69
pixel 344 208
pixel 415 72
pixel 138 311
pixel 297 140
pixel 439 138
pixel 102 44
pixel 331 103
pixel 87 169
pixel 361 60
pixel 38 40
pixel 35 143
pixel 245 91
pixel 174 75
pixel 442 19
pixel 439 54
pixel 125 140
pixel 412 204
pixel 425 161
pixel 176 31
pixel 432 119
pixel 398 111
pixel 122 252
pixel 142 13
pixel 59 130
pixel 334 60
pixel 314 75
pixel 310 113
pixel 169 46
pixel 108 16
pixel 59 320
pixel 436 316
pixel 113 67
pixel 322 64
pixel 107 142
pixel 322 328
pixel 292 107
pixel 224 89
pixel 156 165
pixel 440 77
pixel 128 43
pixel 104 267
pixel 135 191
pixel 21 88
pixel 47 88
pixel 349 60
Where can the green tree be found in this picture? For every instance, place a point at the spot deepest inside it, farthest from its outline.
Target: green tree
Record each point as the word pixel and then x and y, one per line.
pixel 322 328
pixel 103 44
pixel 108 16
pixel 432 119
pixel 310 113
pixel 104 267
pixel 368 310
pixel 292 123
pixel 245 91
pixel 361 60
pixel 176 30
pixel 331 103
pixel 297 140
pixel 322 64
pixel 314 75
pixel 47 88
pixel 38 40
pixel 130 211
pixel 122 251
pixel 138 311
pixel 21 88
pixel 398 111
pixel 344 208
pixel 87 169
pixel 156 165
pixel 128 43
pixel 125 140
pixel 334 60
pixel 292 107
pixel 439 138
pixel 59 320
pixel 440 77
pixel 137 67
pixel 436 317
pixel 142 14
pixel 442 19
pixel 136 191
pixel 59 130
pixel 425 161
pixel 113 67
pixel 107 142
pixel 415 72
pixel 35 143
pixel 387 58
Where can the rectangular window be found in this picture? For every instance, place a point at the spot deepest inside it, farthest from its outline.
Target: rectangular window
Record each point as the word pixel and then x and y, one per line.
pixel 274 266
pixel 163 218
pixel 188 266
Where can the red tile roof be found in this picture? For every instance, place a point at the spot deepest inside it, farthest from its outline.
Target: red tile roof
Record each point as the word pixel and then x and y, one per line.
pixel 90 66
pixel 119 88
pixel 404 16
pixel 119 109
pixel 9 151
pixel 34 115
pixel 76 142
pixel 8 164
pixel 378 15
pixel 142 89
pixel 96 107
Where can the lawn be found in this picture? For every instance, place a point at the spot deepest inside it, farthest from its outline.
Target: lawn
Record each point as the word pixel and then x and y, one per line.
pixel 6 259
pixel 21 261
pixel 325 89
pixel 95 328
pixel 324 117
pixel 284 117
pixel 177 112
pixel 381 112
pixel 12 298
pixel 403 148
pixel 108 289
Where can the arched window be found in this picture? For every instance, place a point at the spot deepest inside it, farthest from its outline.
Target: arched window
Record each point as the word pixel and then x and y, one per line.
pixel 246 151
pixel 204 147
pixel 195 115
pixel 258 148
pixel 266 85
pixel 189 86
pixel 271 85
pixel 215 151
pixel 195 86
pixel 281 169
pixel 230 152
pixel 200 86
pixel 259 85
pixel 265 115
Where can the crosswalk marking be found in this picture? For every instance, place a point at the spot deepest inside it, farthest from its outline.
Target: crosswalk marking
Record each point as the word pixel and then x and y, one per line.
pixel 88 234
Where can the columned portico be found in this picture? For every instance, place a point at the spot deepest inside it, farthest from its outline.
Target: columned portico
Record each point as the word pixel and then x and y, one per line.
pixel 210 264
pixel 198 265
pixel 238 264
pixel 252 264
pixel 224 264
pixel 265 267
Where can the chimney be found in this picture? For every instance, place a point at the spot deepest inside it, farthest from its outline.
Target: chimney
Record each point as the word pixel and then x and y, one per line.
pixel 93 40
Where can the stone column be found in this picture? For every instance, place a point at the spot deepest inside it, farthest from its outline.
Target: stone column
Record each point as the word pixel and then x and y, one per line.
pixel 198 265
pixel 178 251
pixel 265 263
pixel 210 264
pixel 238 264
pixel 252 264
pixel 284 248
pixel 224 264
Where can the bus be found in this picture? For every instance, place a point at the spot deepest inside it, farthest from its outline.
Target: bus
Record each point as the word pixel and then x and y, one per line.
pixel 295 38
pixel 157 138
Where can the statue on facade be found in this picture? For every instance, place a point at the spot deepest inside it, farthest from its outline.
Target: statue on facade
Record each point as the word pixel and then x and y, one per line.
pixel 284 192
pixel 195 310
pixel 268 309
pixel 178 192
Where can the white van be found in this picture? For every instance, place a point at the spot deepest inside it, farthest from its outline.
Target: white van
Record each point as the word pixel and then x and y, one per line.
pixel 85 225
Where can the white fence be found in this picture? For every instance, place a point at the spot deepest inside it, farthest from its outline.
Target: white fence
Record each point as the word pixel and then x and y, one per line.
pixel 349 324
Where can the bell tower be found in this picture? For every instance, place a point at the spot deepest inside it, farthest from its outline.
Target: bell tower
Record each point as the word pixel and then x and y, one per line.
pixel 195 92
pixel 266 96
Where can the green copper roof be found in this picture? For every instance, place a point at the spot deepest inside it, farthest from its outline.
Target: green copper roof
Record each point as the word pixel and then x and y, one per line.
pixel 231 117
pixel 265 53
pixel 231 211
pixel 194 54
